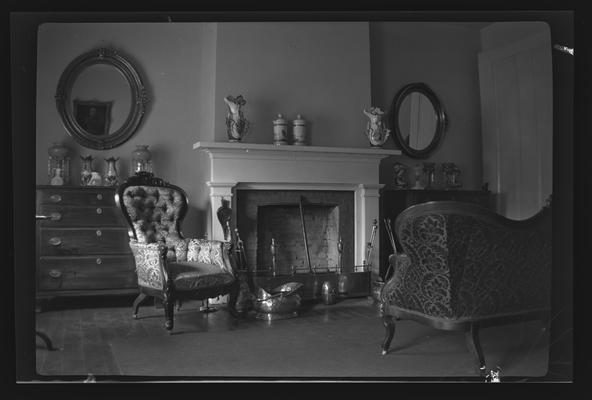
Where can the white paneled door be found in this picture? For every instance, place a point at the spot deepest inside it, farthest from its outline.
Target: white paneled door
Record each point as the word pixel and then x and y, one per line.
pixel 517 124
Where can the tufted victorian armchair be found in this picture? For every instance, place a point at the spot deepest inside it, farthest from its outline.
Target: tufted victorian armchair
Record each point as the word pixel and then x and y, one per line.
pixel 464 267
pixel 169 266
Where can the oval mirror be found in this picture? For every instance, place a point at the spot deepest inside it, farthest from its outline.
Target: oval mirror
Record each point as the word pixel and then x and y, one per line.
pixel 417 119
pixel 101 99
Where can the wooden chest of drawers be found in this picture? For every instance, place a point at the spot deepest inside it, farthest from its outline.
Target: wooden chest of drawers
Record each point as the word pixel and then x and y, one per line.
pixel 83 249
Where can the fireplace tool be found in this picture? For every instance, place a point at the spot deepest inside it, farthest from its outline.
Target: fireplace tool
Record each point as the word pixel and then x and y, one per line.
pixel 339 257
pixel 370 247
pixel 240 251
pixel 389 231
pixel 273 249
pixel 304 234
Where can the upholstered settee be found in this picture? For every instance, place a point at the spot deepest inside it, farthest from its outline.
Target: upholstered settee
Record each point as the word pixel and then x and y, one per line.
pixel 463 267
pixel 168 265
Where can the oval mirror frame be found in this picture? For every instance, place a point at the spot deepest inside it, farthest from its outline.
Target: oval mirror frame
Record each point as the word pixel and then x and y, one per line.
pixel 394 119
pixel 138 95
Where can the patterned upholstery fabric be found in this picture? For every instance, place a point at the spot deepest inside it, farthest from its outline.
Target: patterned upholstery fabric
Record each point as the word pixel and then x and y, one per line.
pixel 149 263
pixel 154 213
pixel 208 252
pixel 192 275
pixel 160 249
pixel 461 266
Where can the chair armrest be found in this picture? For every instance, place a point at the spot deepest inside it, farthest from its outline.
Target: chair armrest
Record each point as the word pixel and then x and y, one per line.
pixel 150 263
pixel 213 252
pixel 400 263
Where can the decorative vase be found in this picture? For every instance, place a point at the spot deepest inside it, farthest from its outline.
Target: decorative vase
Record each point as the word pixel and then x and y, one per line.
pixel 57 180
pixel 280 131
pixel 111 178
pixel 58 159
pixel 429 169
pixel 86 170
pixel 237 126
pixel 141 159
pixel 224 214
pixel 299 131
pixel 400 176
pixel 417 174
pixel 451 173
pixel 376 132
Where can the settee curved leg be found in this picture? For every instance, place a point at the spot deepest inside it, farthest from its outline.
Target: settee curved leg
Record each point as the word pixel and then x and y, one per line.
pixel 232 299
pixel 474 345
pixel 137 302
pixel 389 325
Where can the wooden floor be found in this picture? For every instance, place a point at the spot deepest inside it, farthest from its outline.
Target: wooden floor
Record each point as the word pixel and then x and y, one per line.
pixel 84 327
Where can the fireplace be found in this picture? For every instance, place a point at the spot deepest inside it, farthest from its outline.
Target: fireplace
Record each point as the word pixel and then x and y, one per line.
pixel 340 192
pixel 263 215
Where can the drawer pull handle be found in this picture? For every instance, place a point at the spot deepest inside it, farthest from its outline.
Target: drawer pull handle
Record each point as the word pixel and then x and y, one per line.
pixel 56 198
pixel 99 196
pixel 99 233
pixel 99 210
pixel 99 261
pixel 55 241
pixel 54 273
pixel 54 216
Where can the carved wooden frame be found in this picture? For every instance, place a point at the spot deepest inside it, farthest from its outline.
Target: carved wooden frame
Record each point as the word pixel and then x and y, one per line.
pixel 138 104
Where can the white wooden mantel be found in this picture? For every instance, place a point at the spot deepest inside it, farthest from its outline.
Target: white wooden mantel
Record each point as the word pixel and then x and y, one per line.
pixel 288 167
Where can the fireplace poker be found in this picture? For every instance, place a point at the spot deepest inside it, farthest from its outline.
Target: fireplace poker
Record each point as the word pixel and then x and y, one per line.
pixel 389 231
pixel 304 234
pixel 371 243
pixel 240 249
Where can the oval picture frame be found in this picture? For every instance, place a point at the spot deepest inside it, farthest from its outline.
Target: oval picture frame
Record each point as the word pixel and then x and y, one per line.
pixel 139 98
pixel 393 119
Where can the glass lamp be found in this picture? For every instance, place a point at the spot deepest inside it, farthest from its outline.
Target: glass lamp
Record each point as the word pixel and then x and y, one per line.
pixel 58 165
pixel 141 160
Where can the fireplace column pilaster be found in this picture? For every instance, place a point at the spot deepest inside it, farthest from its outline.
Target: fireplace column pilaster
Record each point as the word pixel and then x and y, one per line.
pixel 367 210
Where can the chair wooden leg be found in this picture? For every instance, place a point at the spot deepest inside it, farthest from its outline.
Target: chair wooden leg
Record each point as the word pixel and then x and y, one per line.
pixel 137 302
pixel 474 345
pixel 169 314
pixel 232 299
pixel 389 325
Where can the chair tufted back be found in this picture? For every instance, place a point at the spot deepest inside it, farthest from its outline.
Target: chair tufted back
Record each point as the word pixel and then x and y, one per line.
pixel 155 213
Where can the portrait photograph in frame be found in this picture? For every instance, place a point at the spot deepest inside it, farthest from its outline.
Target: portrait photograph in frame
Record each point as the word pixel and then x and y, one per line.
pixel 93 116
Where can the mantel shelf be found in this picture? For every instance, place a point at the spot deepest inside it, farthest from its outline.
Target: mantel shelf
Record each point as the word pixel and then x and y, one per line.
pixel 222 147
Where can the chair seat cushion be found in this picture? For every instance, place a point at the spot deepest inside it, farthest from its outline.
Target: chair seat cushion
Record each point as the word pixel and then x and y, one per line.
pixel 193 275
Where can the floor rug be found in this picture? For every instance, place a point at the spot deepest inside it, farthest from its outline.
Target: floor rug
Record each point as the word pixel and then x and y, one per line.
pixel 332 349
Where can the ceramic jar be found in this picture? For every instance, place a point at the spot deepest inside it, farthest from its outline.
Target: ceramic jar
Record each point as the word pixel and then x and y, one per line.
pixel 280 131
pixel 299 131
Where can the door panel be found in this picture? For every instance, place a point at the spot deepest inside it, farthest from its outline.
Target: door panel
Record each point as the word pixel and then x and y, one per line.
pixel 517 125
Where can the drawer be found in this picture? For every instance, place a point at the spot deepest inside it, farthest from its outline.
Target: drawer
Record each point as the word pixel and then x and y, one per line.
pixel 82 216
pixel 79 241
pixel 103 197
pixel 84 273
